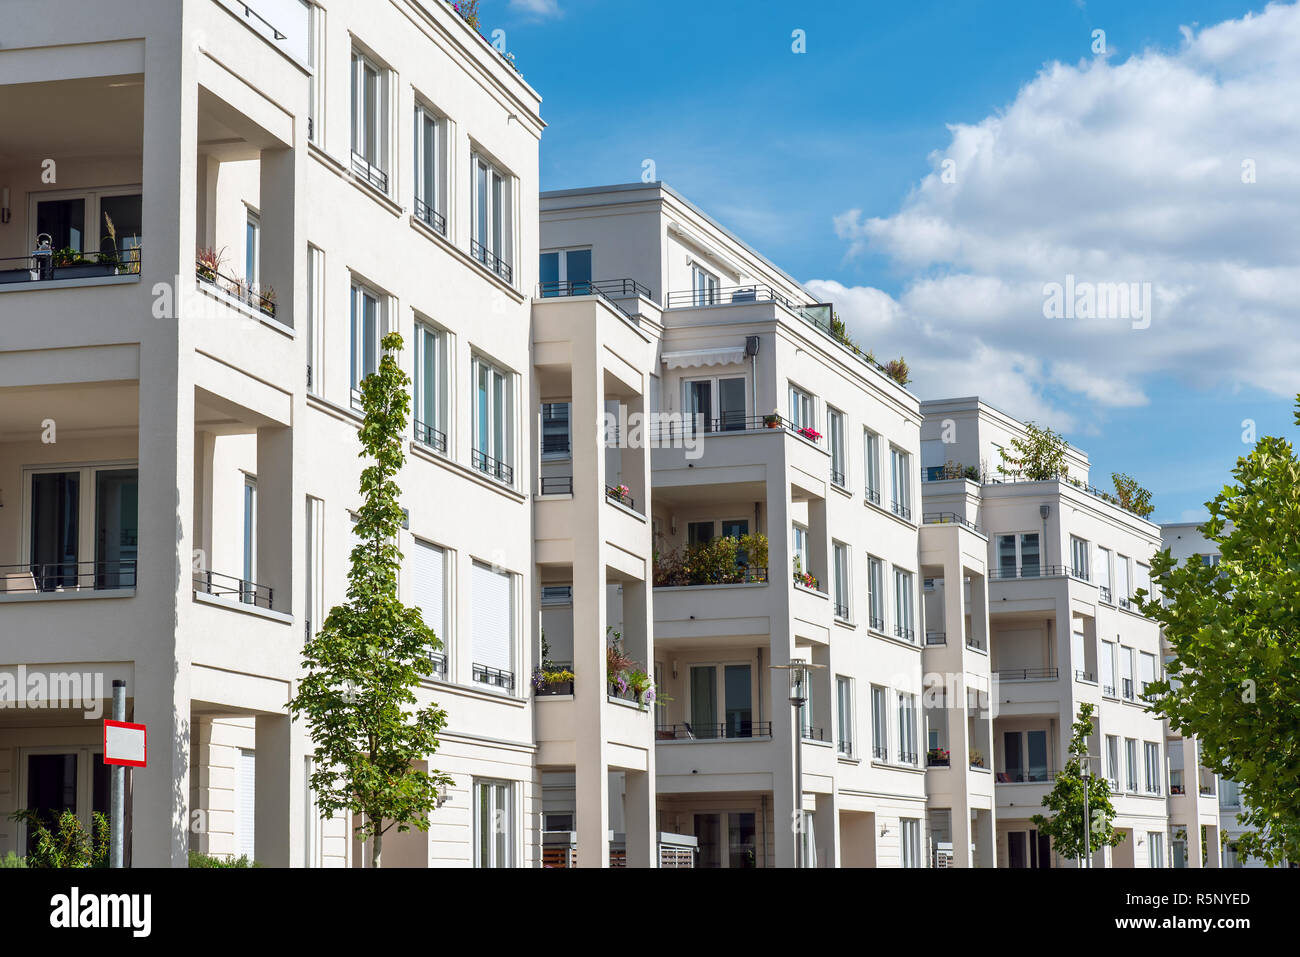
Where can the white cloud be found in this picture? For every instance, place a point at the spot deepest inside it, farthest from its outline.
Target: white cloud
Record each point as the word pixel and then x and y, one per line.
pixel 537 8
pixel 1110 172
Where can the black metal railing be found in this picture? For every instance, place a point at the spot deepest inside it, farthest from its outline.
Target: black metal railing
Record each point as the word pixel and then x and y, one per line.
pixel 813 734
pixel 973 642
pixel 1027 674
pixel 1008 572
pixel 439 660
pixel 880 752
pixel 906 634
pixel 1079 573
pixel 33 577
pixel 837 476
pixel 368 171
pixel 1105 594
pixel 496 677
pixel 608 289
pixel 841 611
pixel 620 496
pixel 1207 789
pixel 689 731
pixel 1126 688
pixel 876 624
pixel 556 485
pixel 494 467
pixel 1153 787
pixel 1085 676
pixel 250 13
pixel 936 638
pixel 947 518
pixel 430 216
pixel 1125 604
pixel 1175 789
pixel 901 510
pixel 676 429
pixel 907 757
pixel 490 259
pixel 228 586
pixel 241 289
pixel 1108 691
pixel 428 435
pixel 873 495
pixel 46 264
pixel 845 748
pixel 1019 776
pixel 944 473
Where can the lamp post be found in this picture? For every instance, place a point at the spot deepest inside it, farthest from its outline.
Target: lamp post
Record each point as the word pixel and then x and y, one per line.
pixel 800 672
pixel 1086 860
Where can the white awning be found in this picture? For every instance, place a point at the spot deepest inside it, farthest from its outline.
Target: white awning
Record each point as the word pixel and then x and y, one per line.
pixel 704 357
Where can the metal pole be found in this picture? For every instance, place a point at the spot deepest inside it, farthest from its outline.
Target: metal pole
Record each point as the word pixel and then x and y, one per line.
pixel 1087 820
pixel 117 796
pixel 798 782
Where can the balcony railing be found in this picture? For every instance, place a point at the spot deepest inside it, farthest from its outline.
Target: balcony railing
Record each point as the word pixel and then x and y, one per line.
pixel 1207 789
pixel 873 495
pixel 689 427
pixel 1085 676
pixel 428 435
pixel 740 575
pixel 880 752
pixel 607 289
pixel 494 467
pixel 228 586
pixel 1125 604
pixel 812 734
pixel 1025 776
pixel 876 624
pixel 439 660
pixel 936 638
pixel 496 677
pixel 371 173
pixel 47 264
pixel 1105 594
pixel 943 473
pixel 841 611
pixel 556 485
pixel 905 634
pixel 974 642
pixel 1108 691
pixel 907 757
pixel 619 495
pixel 837 476
pixel 241 289
pixel 36 577
pixel 937 758
pixel 1126 688
pixel 845 748
pixel 1028 674
pixel 1030 571
pixel 901 510
pixel 688 731
pixel 947 518
pixel 490 259
pixel 430 216
pixel 1177 789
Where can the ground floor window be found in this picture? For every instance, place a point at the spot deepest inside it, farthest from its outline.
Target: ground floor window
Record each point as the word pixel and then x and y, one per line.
pixel 1028 849
pixel 57 780
pixel 494 827
pixel 727 839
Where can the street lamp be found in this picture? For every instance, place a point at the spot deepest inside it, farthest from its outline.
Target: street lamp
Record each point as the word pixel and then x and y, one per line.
pixel 800 672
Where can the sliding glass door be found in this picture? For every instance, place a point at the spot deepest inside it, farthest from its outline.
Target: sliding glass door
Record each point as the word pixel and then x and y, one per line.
pixel 82 527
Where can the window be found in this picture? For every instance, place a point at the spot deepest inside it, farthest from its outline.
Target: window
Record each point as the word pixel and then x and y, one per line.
pixel 906 728
pixel 430 387
pixel 705 285
pixel 253 249
pixel 910 842
pixel 429 567
pixel 492 237
pixel 716 404
pixel 80 220
pixel 1155 849
pixel 842 580
pixel 730 685
pixel 801 550
pixel 802 415
pixel 315 598
pixel 369 121
pixel 1229 793
pixel 1112 761
pixel 1024 755
pixel 871 455
pixel 900 464
pixel 1126 672
pixel 250 538
pixel 1108 678
pixel 493 422
pixel 904 621
pixel 1147 670
pixel 1142 579
pixel 806 712
pixel 1079 654
pixel 835 437
pixel 315 320
pixel 82 527
pixel 565 272
pixel 246 791
pixel 428 160
pixel 1153 767
pixel 1122 592
pixel 494 824
pixel 844 714
pixel 316 70
pixel 876 592
pixel 1079 557
pixel 1131 764
pixel 699 533
pixel 1103 573
pixel 555 430
pixel 492 594
pixel 367 330
pixel 1021 564
pixel 879 724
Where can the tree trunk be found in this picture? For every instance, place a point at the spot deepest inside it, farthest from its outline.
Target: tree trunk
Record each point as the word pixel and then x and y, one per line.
pixel 377 850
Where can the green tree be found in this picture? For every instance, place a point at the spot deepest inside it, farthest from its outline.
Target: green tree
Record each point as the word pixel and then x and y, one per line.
pixel 1234 680
pixel 66 844
pixel 1039 456
pixel 363 667
pixel 1066 826
pixel 1131 495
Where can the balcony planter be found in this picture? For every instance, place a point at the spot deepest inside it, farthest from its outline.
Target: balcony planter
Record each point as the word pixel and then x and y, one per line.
pixel 772 421
pixel 619 493
pixel 809 433
pixel 549 683
pixel 937 758
pixel 85 270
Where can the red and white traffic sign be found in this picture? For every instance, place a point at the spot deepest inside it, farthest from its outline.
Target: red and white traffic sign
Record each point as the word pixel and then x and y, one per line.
pixel 124 743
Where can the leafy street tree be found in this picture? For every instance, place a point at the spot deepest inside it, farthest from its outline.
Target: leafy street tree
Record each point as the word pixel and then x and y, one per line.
pixel 1066 826
pixel 1039 456
pixel 1131 495
pixel 1235 632
pixel 363 667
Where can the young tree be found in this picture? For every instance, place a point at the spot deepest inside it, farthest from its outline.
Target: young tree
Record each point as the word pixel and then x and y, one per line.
pixel 1039 456
pixel 363 667
pixel 1132 496
pixel 1067 826
pixel 1235 632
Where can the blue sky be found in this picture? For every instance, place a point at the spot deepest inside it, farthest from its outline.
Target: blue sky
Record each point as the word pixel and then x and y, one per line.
pixel 1121 166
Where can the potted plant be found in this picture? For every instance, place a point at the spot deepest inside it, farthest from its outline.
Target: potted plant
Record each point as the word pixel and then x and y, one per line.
pixel 552 680
pixel 976 758
pixel 266 300
pixel 208 263
pixel 641 686
pixel 897 370
pixel 937 757
pixel 809 433
pixel 772 420
pixel 619 492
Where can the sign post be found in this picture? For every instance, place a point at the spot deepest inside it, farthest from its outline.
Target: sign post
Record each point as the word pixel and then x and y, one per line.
pixel 125 746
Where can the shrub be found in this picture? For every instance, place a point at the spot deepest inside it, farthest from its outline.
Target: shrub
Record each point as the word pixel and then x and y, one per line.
pixel 199 860
pixel 897 370
pixel 68 844
pixel 12 860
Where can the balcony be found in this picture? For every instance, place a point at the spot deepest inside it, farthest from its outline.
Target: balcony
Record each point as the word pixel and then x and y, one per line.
pixel 947 518
pixel 938 758
pixel 64 577
pixel 610 290
pixel 676 851
pixel 369 172
pixel 1009 573
pixel 495 468
pixel 669 432
pixel 621 496
pixel 494 677
pixel 490 259
pixel 735 730
pixel 430 437
pixel 935 638
pixel 905 634
pixel 47 265
pixel 901 510
pixel 258 298
pixel 555 485
pixel 1028 674
pixel 430 216
pixel 233 589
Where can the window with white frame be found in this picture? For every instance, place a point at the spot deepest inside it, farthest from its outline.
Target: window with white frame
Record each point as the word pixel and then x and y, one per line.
pixel 835 439
pixel 1142 579
pixel 1126 688
pixel 79 220
pixel 879 724
pixel 429 195
pixel 1103 574
pixel 1018 556
pixel 565 272
pixel 253 249
pixel 705 285
pixel 1079 557
pixel 315 320
pixel 556 442
pixel 494 824
pixel 876 592
pixel 844 715
pixel 315 597
pixel 316 73
pixel 369 120
pixel 871 457
pixel 906 728
pixel 904 617
pixel 1146 671
pixel 801 551
pixel 1122 592
pixel 367 331
pixel 900 473
pixel 429 574
pixel 806 712
pixel 843 585
pixel 249 538
pixel 493 631
pixel 802 411
pixel 493 451
pixel 1155 849
pixel 1131 764
pixel 910 842
pixel 431 393
pixel 1112 761
pixel 1108 677
pixel 492 235
pixel 717 403
pixel 1154 768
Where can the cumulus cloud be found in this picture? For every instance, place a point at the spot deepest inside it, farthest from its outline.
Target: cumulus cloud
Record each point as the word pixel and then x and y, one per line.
pixel 1175 170
pixel 536 8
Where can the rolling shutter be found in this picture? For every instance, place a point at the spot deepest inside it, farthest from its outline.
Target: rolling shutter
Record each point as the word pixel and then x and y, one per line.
pixel 493 616
pixel 430 586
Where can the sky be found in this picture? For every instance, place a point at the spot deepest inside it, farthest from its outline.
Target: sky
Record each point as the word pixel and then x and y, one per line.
pixel 939 170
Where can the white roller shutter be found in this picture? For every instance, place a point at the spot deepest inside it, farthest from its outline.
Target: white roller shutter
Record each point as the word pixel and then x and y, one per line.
pixel 493 614
pixel 247 799
pixel 430 586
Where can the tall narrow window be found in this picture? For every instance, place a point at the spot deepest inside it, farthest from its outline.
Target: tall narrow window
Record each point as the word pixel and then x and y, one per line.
pixel 905 623
pixel 1112 761
pixel 1131 760
pixel 430 388
pixel 366 332
pixel 428 194
pixel 494 824
pixel 1030 564
pixel 315 603
pixel 492 596
pixel 800 551
pixel 250 538
pixel 1122 593
pixel 1126 672
pixel 1147 671
pixel 705 285
pixel 1155 849
pixel 879 724
pixel 493 422
pixel 252 249
pixel 871 454
pixel 842 583
pixel 246 794
pixel 844 715
pixel 555 430
pixel 1108 677
pixel 430 586
pixel 906 728
pixel 876 592
pixel 315 319
pixel 802 415
pixel 900 466
pixel 316 70
pixel 1079 557
pixel 835 438
pixel 1153 767
pixel 369 121
pixel 910 842
pixel 1103 574
pixel 491 239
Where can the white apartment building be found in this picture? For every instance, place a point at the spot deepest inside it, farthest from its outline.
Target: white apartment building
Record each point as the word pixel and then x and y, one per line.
pixel 178 452
pixel 769 425
pixel 1063 567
